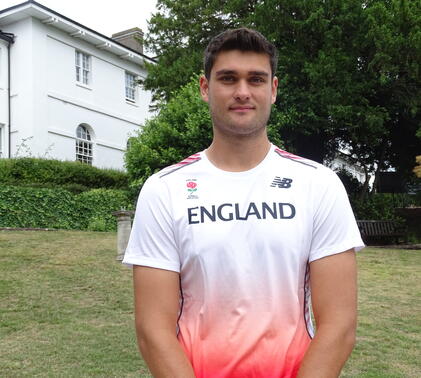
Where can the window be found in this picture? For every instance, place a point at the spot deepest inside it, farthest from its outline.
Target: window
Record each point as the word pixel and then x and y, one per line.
pixel 130 87
pixel 83 68
pixel 83 145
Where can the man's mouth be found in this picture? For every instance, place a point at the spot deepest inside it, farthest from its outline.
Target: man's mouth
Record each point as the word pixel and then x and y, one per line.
pixel 244 108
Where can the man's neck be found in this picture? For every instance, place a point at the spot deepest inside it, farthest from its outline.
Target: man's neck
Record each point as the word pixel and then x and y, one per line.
pixel 238 154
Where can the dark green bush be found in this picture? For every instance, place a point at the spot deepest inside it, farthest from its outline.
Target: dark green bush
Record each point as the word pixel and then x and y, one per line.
pixel 59 208
pixel 74 176
pixel 98 205
pixel 381 206
pixel 351 184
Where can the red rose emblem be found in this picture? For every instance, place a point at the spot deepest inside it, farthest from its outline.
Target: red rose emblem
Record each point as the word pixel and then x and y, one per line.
pixel 191 184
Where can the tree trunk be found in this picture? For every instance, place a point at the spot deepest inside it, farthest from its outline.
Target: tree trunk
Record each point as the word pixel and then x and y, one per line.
pixel 364 190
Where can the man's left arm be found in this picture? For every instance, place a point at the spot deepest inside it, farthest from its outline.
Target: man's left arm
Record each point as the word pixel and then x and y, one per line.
pixel 333 281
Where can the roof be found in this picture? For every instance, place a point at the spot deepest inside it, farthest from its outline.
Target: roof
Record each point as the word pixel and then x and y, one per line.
pixel 50 17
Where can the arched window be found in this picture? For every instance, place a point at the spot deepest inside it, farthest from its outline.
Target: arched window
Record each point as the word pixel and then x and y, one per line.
pixel 83 145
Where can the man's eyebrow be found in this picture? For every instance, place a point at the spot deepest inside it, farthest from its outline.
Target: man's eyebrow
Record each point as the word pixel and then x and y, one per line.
pixel 233 72
pixel 258 73
pixel 226 72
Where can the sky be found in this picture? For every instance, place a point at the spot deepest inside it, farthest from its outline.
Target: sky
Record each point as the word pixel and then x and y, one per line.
pixel 105 17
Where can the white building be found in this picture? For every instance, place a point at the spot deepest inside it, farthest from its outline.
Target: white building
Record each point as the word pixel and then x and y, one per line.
pixel 341 162
pixel 66 91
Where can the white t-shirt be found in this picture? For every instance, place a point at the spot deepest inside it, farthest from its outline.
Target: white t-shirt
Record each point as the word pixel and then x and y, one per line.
pixel 242 243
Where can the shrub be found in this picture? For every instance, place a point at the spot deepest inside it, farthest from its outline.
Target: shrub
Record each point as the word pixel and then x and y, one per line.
pixel 351 184
pixel 98 205
pixel 53 173
pixel 59 208
pixel 36 207
pixel 97 224
pixel 381 206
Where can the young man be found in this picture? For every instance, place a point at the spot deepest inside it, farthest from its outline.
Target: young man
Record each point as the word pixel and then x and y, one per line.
pixel 226 244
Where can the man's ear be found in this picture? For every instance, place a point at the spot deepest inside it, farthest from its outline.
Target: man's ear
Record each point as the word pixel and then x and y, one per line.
pixel 204 88
pixel 274 88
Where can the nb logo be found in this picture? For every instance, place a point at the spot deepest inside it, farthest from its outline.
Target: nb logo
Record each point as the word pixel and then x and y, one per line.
pixel 281 182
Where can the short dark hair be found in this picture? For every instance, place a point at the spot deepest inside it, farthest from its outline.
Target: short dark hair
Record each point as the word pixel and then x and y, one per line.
pixel 242 39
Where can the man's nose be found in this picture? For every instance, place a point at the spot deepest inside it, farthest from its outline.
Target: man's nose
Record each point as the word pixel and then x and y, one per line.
pixel 242 91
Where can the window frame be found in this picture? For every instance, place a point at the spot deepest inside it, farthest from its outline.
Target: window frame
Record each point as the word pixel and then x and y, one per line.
pixel 83 68
pixel 130 87
pixel 84 145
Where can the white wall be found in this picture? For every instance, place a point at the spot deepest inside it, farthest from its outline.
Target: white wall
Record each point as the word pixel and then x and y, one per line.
pixel 3 98
pixel 21 63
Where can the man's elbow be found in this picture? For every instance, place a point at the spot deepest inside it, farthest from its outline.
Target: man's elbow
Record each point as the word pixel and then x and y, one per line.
pixel 151 336
pixel 346 336
pixel 341 335
pixel 350 338
pixel 144 338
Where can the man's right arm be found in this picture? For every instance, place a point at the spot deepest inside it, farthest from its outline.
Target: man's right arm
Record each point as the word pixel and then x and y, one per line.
pixel 156 293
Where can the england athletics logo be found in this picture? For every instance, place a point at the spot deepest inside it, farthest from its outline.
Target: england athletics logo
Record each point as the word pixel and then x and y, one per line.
pixel 191 185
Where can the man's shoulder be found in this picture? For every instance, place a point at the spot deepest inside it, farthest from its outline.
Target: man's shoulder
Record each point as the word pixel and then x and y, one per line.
pixel 181 165
pixel 303 166
pixel 295 160
pixel 165 181
pixel 171 172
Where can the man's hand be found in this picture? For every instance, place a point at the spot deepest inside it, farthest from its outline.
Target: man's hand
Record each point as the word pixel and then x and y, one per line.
pixel 333 281
pixel 156 310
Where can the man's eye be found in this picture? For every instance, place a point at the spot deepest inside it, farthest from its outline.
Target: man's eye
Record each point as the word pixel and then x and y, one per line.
pixel 257 79
pixel 227 78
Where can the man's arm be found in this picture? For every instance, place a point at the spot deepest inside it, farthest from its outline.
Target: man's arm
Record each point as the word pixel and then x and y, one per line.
pixel 156 294
pixel 333 281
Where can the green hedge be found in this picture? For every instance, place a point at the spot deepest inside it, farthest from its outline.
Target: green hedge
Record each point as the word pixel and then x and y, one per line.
pixel 59 208
pixel 72 176
pixel 381 206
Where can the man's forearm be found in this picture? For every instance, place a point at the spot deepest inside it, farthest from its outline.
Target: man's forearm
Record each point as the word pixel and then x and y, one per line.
pixel 164 356
pixel 327 353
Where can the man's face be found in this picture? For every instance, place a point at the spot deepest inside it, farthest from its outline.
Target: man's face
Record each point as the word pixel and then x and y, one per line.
pixel 240 92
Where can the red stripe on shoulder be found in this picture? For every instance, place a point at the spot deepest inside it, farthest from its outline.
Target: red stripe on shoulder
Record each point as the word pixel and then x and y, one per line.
pixel 298 159
pixel 188 160
pixel 287 154
pixel 183 163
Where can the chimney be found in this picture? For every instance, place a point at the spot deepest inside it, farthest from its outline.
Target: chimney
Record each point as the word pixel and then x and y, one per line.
pixel 132 38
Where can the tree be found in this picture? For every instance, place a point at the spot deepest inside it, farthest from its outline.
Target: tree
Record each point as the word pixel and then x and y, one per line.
pixel 348 69
pixel 178 33
pixel 182 127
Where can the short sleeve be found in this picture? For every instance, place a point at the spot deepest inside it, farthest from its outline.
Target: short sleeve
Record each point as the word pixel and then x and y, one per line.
pixel 152 241
pixel 335 229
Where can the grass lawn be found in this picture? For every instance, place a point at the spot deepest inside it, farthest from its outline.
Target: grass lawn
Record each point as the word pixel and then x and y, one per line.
pixel 66 309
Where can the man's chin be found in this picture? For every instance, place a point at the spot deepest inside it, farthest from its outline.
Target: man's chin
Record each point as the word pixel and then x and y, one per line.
pixel 242 130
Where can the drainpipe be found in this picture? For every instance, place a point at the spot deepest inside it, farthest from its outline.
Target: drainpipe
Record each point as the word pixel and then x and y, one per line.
pixel 9 38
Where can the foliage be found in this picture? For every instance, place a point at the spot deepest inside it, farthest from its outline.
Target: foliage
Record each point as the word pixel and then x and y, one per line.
pixel 348 69
pixel 381 206
pixel 97 206
pixel 73 176
pixel 351 184
pixel 417 168
pixel 182 128
pixel 58 208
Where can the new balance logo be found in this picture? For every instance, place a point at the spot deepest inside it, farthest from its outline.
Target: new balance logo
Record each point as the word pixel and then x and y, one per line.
pixel 281 182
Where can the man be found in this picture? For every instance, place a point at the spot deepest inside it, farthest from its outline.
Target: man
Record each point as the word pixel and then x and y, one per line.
pixel 226 244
